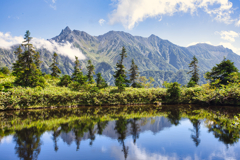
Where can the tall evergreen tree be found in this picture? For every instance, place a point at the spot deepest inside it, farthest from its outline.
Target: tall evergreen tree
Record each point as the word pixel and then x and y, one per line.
pixel 36 58
pixel 222 72
pixel 101 83
pixel 90 73
pixel 25 69
pixel 195 75
pixel 120 72
pixel 76 69
pixel 134 74
pixel 54 67
pixel 18 64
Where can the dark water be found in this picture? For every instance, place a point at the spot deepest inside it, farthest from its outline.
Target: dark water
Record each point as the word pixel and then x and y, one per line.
pixel 139 132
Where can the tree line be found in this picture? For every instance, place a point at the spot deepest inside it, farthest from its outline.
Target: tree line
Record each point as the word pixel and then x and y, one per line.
pixel 28 73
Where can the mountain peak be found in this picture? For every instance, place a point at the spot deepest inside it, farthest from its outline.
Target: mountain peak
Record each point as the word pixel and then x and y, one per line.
pixel 67 30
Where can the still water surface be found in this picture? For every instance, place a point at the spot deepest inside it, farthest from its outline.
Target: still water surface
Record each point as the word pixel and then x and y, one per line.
pixel 139 132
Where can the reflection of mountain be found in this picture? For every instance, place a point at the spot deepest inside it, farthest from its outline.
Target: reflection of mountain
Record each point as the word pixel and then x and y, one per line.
pixel 154 125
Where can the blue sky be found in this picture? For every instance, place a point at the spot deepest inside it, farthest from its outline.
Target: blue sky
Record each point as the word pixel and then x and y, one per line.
pixel 182 22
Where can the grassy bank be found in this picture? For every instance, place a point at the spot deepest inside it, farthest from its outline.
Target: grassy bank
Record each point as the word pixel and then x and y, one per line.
pixel 16 97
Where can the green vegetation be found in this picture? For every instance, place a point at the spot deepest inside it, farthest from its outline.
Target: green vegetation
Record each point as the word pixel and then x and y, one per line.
pixel 27 87
pixel 120 76
pixel 54 67
pixel 222 72
pixel 195 75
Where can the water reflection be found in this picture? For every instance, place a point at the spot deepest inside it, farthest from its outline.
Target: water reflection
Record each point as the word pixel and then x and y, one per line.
pixel 80 125
pixel 195 131
pixel 28 143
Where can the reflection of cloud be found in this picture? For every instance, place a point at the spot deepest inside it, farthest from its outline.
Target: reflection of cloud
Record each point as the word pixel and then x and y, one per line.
pixel 6 41
pixel 7 140
pixel 136 152
pixel 103 149
pixel 223 154
pixel 131 12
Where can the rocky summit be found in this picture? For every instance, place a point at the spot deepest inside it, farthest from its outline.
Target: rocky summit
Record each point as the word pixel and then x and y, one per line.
pixel 155 57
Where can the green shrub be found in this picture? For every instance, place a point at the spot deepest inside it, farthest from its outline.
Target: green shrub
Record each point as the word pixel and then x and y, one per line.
pixel 5 70
pixel 191 83
pixel 65 80
pixel 174 92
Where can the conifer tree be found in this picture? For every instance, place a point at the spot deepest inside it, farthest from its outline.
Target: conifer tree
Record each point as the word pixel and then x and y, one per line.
pixel 78 74
pixel 222 72
pixel 134 74
pixel 101 83
pixel 195 75
pixel 54 67
pixel 18 64
pixel 76 69
pixel 121 71
pixel 90 69
pixel 36 58
pixel 27 73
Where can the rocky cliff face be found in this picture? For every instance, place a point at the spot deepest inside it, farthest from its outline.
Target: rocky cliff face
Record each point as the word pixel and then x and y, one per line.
pixel 150 54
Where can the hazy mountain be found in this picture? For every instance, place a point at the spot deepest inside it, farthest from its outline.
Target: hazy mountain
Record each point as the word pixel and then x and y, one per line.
pixel 154 56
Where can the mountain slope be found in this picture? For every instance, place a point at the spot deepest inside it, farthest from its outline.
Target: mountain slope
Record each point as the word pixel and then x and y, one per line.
pixel 154 56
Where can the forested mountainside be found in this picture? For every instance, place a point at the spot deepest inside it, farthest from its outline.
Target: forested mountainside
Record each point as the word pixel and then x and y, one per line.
pixel 154 56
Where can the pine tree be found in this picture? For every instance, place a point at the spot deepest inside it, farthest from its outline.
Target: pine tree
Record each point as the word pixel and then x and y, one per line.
pixel 76 69
pixel 36 58
pixel 222 72
pixel 25 69
pixel 18 64
pixel 121 71
pixel 195 75
pixel 134 74
pixel 78 74
pixel 54 67
pixel 101 83
pixel 90 69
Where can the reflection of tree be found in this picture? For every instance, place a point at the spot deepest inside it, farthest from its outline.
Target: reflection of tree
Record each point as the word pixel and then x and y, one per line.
pixel 174 116
pixel 101 126
pixel 79 129
pixel 91 132
pixel 135 129
pixel 56 134
pixel 196 131
pixel 28 145
pixel 121 130
pixel 225 133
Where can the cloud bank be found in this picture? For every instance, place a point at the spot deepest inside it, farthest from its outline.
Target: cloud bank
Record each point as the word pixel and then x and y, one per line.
pixel 131 12
pixel 228 35
pixel 66 49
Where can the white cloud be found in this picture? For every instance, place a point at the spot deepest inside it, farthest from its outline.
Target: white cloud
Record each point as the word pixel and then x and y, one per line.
pixel 101 21
pixel 194 43
pixel 230 46
pixel 52 3
pixel 6 140
pixel 238 23
pixel 129 13
pixel 6 41
pixel 228 35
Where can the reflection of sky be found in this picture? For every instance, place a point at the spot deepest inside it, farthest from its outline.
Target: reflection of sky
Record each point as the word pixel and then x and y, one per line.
pixel 171 143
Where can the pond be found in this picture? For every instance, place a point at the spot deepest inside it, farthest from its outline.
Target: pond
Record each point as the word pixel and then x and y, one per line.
pixel 124 132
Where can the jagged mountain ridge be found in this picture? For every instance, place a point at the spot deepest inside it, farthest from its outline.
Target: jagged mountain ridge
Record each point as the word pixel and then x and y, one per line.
pixel 154 56
pixel 152 53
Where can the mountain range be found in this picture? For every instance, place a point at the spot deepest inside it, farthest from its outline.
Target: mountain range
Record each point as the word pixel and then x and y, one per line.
pixel 155 57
